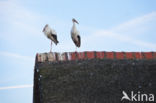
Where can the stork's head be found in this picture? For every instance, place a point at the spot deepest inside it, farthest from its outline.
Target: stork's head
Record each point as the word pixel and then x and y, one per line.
pixel 75 21
pixel 45 27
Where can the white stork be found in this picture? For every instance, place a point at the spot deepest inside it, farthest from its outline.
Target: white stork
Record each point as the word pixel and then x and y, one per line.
pixel 75 34
pixel 50 34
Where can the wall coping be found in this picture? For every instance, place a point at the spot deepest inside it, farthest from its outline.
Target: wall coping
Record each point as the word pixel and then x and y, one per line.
pixel 68 56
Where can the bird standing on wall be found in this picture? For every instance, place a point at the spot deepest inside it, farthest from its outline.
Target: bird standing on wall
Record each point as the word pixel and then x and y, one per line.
pixel 75 34
pixel 50 34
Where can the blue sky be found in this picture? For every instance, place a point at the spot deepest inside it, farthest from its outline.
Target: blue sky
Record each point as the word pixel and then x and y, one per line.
pixel 112 25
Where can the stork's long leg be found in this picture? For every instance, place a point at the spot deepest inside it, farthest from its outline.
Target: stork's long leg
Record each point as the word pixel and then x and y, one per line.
pixel 76 49
pixel 51 46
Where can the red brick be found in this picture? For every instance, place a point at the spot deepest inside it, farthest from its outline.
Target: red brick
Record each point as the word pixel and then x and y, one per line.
pixel 110 55
pixel 129 55
pixel 138 55
pixel 64 55
pixel 100 55
pixel 119 55
pixel 154 54
pixel 37 57
pixel 148 55
pixel 90 55
pixel 56 56
pixel 73 56
pixel 81 55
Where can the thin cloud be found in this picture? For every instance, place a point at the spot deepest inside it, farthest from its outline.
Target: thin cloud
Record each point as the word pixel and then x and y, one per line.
pixel 125 38
pixel 16 56
pixel 18 18
pixel 119 33
pixel 139 21
pixel 16 11
pixel 16 87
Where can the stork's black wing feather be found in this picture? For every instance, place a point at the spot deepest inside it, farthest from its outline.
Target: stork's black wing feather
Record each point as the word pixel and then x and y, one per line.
pixel 79 41
pixel 55 38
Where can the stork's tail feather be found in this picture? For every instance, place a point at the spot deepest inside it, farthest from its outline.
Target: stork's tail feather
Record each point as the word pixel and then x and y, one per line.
pixel 78 45
pixel 57 42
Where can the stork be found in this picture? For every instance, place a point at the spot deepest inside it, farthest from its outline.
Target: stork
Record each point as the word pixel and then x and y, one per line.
pixel 50 34
pixel 75 34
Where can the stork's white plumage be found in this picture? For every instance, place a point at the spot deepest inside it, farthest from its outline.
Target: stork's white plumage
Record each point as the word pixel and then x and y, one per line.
pixel 50 34
pixel 75 34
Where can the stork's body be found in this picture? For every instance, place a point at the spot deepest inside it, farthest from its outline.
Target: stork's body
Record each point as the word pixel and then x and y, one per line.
pixel 50 34
pixel 75 34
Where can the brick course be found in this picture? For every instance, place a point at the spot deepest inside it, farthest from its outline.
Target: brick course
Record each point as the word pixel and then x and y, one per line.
pixel 41 57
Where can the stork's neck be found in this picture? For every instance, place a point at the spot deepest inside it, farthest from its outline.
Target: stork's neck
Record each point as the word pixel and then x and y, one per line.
pixel 74 25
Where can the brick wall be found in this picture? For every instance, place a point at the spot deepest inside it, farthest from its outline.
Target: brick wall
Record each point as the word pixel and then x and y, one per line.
pixel 92 77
